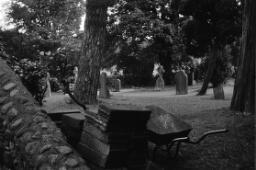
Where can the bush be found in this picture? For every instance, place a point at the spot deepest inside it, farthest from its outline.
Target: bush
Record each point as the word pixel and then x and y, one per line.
pixel 33 76
pixel 221 71
pixel 25 54
pixel 55 85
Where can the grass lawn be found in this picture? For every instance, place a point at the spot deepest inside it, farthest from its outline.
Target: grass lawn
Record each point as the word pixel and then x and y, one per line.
pixel 230 151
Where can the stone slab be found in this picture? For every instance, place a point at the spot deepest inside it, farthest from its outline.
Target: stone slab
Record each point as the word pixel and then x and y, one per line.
pixel 114 160
pixel 181 80
pixel 57 115
pixel 102 147
pixel 219 93
pixel 75 120
pixel 105 137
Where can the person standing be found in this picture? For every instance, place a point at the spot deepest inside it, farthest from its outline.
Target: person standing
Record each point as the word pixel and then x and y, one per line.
pixel 75 71
pixel 48 91
pixel 159 71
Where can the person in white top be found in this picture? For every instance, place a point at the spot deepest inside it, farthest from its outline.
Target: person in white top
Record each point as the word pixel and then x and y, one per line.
pixel 158 72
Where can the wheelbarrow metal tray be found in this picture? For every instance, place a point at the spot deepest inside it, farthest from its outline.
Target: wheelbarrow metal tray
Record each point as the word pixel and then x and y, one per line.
pixel 163 127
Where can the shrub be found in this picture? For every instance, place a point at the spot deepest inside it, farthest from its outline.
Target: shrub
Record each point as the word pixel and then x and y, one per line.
pixel 55 85
pixel 221 71
pixel 32 75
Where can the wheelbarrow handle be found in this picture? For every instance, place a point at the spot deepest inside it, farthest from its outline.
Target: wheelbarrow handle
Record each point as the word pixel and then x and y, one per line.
pixel 216 131
pixel 211 132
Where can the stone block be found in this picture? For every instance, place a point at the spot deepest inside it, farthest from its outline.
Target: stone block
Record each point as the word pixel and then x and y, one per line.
pixel 219 92
pixel 71 162
pixel 74 120
pixel 57 115
pixel 181 80
pixel 14 92
pixel 9 86
pixel 68 99
pixel 115 134
pixel 121 117
pixel 115 159
pixel 191 79
pixel 104 89
pixel 103 136
pixel 159 83
pixel 116 83
pixel 64 150
pixel 6 107
pixel 72 126
pixel 100 146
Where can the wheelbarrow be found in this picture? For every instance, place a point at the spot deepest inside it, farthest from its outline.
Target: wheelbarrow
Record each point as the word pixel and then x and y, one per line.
pixel 166 130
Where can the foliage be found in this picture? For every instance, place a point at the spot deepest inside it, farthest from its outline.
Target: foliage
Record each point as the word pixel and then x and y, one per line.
pixel 223 68
pixel 45 38
pixel 138 73
pixel 211 22
pixel 209 26
pixel 221 71
pixel 145 32
pixel 59 66
pixel 48 19
pixel 22 55
pixel 163 31
pixel 201 69
pixel 33 76
pixel 31 58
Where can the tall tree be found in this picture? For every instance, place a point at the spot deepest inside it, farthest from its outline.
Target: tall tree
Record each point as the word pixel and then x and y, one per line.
pixel 244 91
pixel 211 25
pixel 93 51
pixel 49 19
pixel 42 34
pixel 147 31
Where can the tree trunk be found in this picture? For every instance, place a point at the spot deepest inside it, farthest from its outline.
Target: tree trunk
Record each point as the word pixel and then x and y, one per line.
pixel 244 90
pixel 214 53
pixel 92 50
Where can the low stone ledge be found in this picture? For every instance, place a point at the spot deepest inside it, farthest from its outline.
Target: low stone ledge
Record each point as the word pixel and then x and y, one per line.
pixel 29 139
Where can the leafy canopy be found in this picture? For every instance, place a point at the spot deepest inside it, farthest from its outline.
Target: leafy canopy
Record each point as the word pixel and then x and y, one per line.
pixel 144 32
pixel 210 22
pixel 45 37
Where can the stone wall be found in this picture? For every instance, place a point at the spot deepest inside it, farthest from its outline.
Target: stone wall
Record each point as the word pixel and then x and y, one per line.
pixel 28 138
